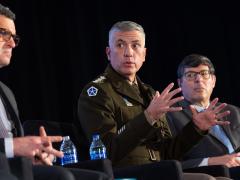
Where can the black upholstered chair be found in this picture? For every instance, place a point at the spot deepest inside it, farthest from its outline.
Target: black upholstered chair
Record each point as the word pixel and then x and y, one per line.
pixel 166 170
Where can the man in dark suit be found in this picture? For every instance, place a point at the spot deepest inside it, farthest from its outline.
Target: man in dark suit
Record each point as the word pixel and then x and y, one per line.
pixel 196 77
pixel 12 143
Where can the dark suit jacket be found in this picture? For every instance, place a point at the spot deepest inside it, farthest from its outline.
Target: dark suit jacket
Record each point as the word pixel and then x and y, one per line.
pixel 209 146
pixel 10 105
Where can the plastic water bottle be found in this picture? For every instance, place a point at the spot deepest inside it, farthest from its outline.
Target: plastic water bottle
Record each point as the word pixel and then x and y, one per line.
pixel 97 149
pixel 69 150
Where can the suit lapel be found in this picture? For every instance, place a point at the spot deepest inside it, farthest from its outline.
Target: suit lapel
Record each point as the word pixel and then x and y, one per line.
pixel 186 110
pixel 126 90
pixel 147 92
pixel 227 131
pixel 13 116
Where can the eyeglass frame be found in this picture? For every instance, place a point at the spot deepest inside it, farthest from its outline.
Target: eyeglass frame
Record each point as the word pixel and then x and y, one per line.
pixel 201 73
pixel 6 35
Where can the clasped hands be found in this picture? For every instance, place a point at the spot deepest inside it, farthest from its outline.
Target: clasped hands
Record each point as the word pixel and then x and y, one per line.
pixel 162 103
pixel 38 148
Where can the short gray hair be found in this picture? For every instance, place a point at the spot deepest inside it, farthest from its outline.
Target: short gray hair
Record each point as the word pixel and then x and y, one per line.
pixel 126 26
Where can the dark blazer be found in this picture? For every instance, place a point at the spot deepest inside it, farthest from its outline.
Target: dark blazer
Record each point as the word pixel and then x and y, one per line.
pixel 116 111
pixel 209 146
pixel 10 105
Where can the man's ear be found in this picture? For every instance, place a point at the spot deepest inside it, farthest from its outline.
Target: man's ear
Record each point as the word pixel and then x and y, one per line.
pixel 108 52
pixel 179 82
pixel 145 52
pixel 214 80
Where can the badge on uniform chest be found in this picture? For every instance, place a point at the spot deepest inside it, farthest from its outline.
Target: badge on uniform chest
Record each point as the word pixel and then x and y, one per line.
pixel 127 102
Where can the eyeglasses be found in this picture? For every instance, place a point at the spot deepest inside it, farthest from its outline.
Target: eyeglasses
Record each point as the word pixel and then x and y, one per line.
pixel 191 75
pixel 5 35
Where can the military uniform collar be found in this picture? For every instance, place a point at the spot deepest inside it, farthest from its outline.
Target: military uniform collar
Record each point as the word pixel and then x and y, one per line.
pixel 116 79
pixel 121 84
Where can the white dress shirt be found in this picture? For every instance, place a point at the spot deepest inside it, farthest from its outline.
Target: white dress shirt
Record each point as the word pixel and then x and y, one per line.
pixel 6 131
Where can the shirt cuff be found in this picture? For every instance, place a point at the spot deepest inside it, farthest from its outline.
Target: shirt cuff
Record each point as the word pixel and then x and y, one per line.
pixel 8 142
pixel 204 162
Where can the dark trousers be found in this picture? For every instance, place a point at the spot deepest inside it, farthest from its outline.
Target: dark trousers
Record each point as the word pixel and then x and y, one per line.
pixel 170 170
pixel 6 176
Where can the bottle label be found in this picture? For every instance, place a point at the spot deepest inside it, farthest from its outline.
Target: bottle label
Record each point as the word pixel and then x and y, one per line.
pixel 68 159
pixel 98 153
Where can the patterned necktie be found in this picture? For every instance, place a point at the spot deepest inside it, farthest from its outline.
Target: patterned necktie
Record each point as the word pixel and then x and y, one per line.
pixel 218 132
pixel 3 130
pixel 4 123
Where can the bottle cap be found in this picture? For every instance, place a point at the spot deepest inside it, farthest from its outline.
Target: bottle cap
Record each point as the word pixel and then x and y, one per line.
pixel 95 135
pixel 66 138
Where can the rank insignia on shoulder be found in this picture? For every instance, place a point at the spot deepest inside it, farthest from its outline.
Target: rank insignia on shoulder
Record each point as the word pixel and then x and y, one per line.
pixel 92 91
pixel 99 80
pixel 121 129
pixel 127 102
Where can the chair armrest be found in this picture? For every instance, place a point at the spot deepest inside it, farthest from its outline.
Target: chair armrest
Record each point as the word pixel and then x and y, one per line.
pixel 216 170
pixel 167 169
pixel 103 165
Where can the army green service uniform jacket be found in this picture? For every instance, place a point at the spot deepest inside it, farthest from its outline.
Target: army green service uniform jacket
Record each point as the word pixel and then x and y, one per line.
pixel 110 106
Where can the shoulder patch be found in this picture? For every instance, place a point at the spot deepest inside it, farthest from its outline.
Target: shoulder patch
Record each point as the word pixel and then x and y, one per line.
pixel 100 79
pixel 92 91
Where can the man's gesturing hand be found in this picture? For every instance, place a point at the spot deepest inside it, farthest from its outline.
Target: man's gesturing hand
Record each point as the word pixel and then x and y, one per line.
pixel 210 117
pixel 161 103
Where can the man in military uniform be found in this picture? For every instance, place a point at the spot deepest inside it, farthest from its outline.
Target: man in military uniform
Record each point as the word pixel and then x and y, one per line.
pixel 128 114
